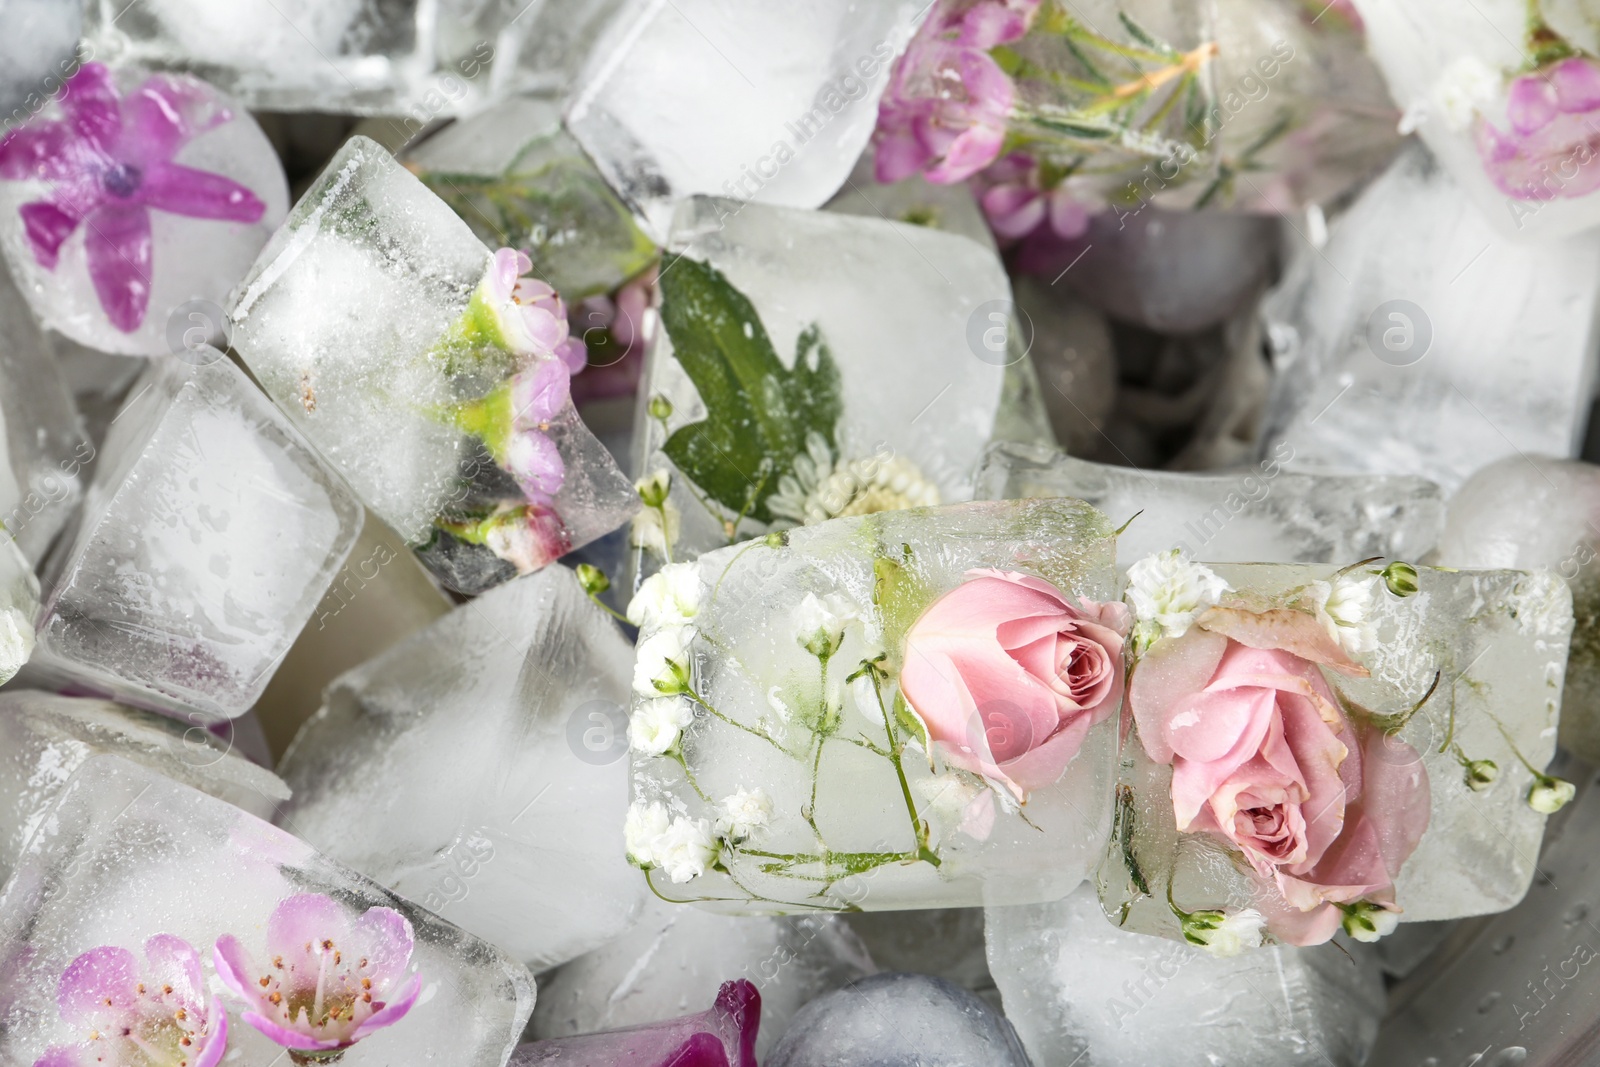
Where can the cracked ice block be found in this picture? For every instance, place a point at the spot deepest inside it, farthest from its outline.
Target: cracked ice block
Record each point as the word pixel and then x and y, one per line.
pixel 131 861
pixel 769 104
pixel 477 768
pixel 375 319
pixel 815 365
pixel 1081 992
pixel 675 957
pixel 44 738
pixel 1419 342
pixel 799 742
pixel 1263 513
pixel 207 537
pixel 723 1035
pixel 1436 813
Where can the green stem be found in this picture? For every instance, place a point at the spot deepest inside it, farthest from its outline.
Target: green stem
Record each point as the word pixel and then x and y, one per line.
pixel 768 738
pixel 918 827
pixel 608 609
pixel 677 756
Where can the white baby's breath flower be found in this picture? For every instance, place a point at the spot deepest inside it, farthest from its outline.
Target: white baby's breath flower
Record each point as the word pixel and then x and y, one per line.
pixel 743 813
pixel 656 725
pixel 1344 607
pixel 1462 89
pixel 16 642
pixel 661 663
pixel 685 849
pixel 641 829
pixel 1549 795
pixel 822 487
pixel 656 529
pixel 1224 933
pixel 654 487
pixel 1369 922
pixel 1168 592
pixel 819 622
pixel 669 597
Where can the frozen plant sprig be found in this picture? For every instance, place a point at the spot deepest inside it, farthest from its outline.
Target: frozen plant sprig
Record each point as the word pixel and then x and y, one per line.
pixel 1168 592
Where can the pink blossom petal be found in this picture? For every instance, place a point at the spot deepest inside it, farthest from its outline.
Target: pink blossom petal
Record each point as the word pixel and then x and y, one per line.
pixel 386 940
pixel 233 966
pixel 1013 210
pixel 702 1049
pixel 1295 632
pixel 1577 85
pixel 536 464
pixel 573 354
pixel 304 920
pixel 92 106
pixel 738 1004
pixel 174 962
pixel 898 155
pixel 288 1038
pixel 539 393
pixel 46 226
pixel 393 1011
pixel 103 974
pixel 118 248
pixel 1167 675
pixel 546 329
pixel 41 150
pixel 198 194
pixel 1531 104
pixel 61 1056
pixel 506 266
pixel 968 154
pixel 1068 218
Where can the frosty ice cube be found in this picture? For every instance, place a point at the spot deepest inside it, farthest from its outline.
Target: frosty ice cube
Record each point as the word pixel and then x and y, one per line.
pixel 170 904
pixel 19 606
pixel 131 204
pixel 943 942
pixel 503 733
pixel 1261 513
pixel 899 1020
pixel 393 339
pixel 1418 791
pixel 673 957
pixel 47 737
pixel 207 536
pixel 1081 992
pixel 1419 342
pixel 814 365
pixel 798 743
pixel 724 1034
pixel 765 104
pixel 38 49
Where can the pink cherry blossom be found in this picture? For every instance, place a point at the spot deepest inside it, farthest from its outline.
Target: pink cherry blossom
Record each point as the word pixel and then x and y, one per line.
pixel 327 980
pixel 157 1016
pixel 529 317
pixel 109 164
pixel 1552 148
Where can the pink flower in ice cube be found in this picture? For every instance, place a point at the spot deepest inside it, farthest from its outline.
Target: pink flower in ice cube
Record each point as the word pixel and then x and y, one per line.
pixel 327 980
pixel 1552 148
pixel 530 316
pixel 155 1017
pixel 109 163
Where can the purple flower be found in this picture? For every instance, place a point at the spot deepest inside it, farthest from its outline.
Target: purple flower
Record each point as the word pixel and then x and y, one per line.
pixel 109 163
pixel 523 315
pixel 538 394
pixel 158 1017
pixel 327 981
pixel 947 102
pixel 1553 146
pixel 1017 207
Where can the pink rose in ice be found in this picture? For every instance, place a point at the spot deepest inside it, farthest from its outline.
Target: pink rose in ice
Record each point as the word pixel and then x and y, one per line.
pixel 1007 676
pixel 1553 142
pixel 327 979
pixel 1264 757
pixel 154 1016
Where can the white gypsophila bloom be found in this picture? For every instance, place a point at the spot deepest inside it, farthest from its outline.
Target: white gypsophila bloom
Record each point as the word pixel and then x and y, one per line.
pixel 656 725
pixel 685 849
pixel 1370 922
pixel 1549 795
pixel 656 529
pixel 819 622
pixel 743 813
pixel 16 642
pixel 661 663
pixel 821 487
pixel 654 487
pixel 1169 591
pixel 1464 88
pixel 1344 607
pixel 1225 934
pixel 641 828
pixel 669 597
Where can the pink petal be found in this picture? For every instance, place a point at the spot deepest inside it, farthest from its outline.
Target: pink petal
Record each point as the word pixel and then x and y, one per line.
pixel 233 966
pixel 1168 674
pixel 391 1012
pixel 738 1004
pixel 1531 103
pixel 1577 85
pixel 163 114
pixel 216 1045
pixel 60 1056
pixel 573 354
pixel 287 1038
pixel 175 962
pixel 1013 210
pixel 386 940
pixel 505 268
pixel 46 226
pixel 92 106
pixel 546 329
pixel 303 920
pixel 970 153
pixel 897 155
pixel 1043 765
pixel 535 462
pixel 117 246
pixel 199 194
pixel 1297 633
pixel 1068 218
pixel 539 392
pixel 41 150
pixel 101 974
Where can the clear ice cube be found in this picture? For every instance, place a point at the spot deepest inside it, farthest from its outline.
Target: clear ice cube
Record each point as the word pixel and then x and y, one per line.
pixel 38 49
pixel 127 855
pixel 208 535
pixel 1261 514
pixel 478 768
pixel 1080 991
pixel 943 942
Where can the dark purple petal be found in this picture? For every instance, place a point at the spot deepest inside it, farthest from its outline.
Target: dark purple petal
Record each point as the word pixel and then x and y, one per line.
pixel 40 150
pixel 92 106
pixel 700 1050
pixel 199 194
pixel 46 226
pixel 107 973
pixel 117 246
pixel 739 1004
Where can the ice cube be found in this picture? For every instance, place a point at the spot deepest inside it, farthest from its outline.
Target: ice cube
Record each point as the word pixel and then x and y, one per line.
pixel 518 179
pixel 943 942
pixel 19 608
pixel 1535 511
pixel 47 737
pixel 358 320
pixel 552 41
pixel 674 958
pixel 1263 513
pixel 879 349
pixel 209 533
pixel 809 786
pixel 477 767
pixel 127 856
pixel 770 104
pixel 1420 342
pixel 38 49
pixel 914 200
pixel 724 1034
pixel 134 252
pixel 899 1020
pixel 1479 655
pixel 1080 991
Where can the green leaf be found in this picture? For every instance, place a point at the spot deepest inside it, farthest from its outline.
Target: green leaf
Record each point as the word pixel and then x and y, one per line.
pixel 758 412
pixel 900 594
pixel 1143 36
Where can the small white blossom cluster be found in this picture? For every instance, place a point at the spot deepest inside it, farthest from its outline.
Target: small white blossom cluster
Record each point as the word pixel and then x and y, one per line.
pixel 1224 933
pixel 819 622
pixel 1168 592
pixel 666 605
pixel 655 527
pixel 1344 607
pixel 685 848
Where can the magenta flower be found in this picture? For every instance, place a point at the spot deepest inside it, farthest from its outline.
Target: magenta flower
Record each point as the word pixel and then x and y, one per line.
pixel 327 981
pixel 109 163
pixel 1017 207
pixel 1553 146
pixel 947 103
pixel 158 1017
pixel 529 538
